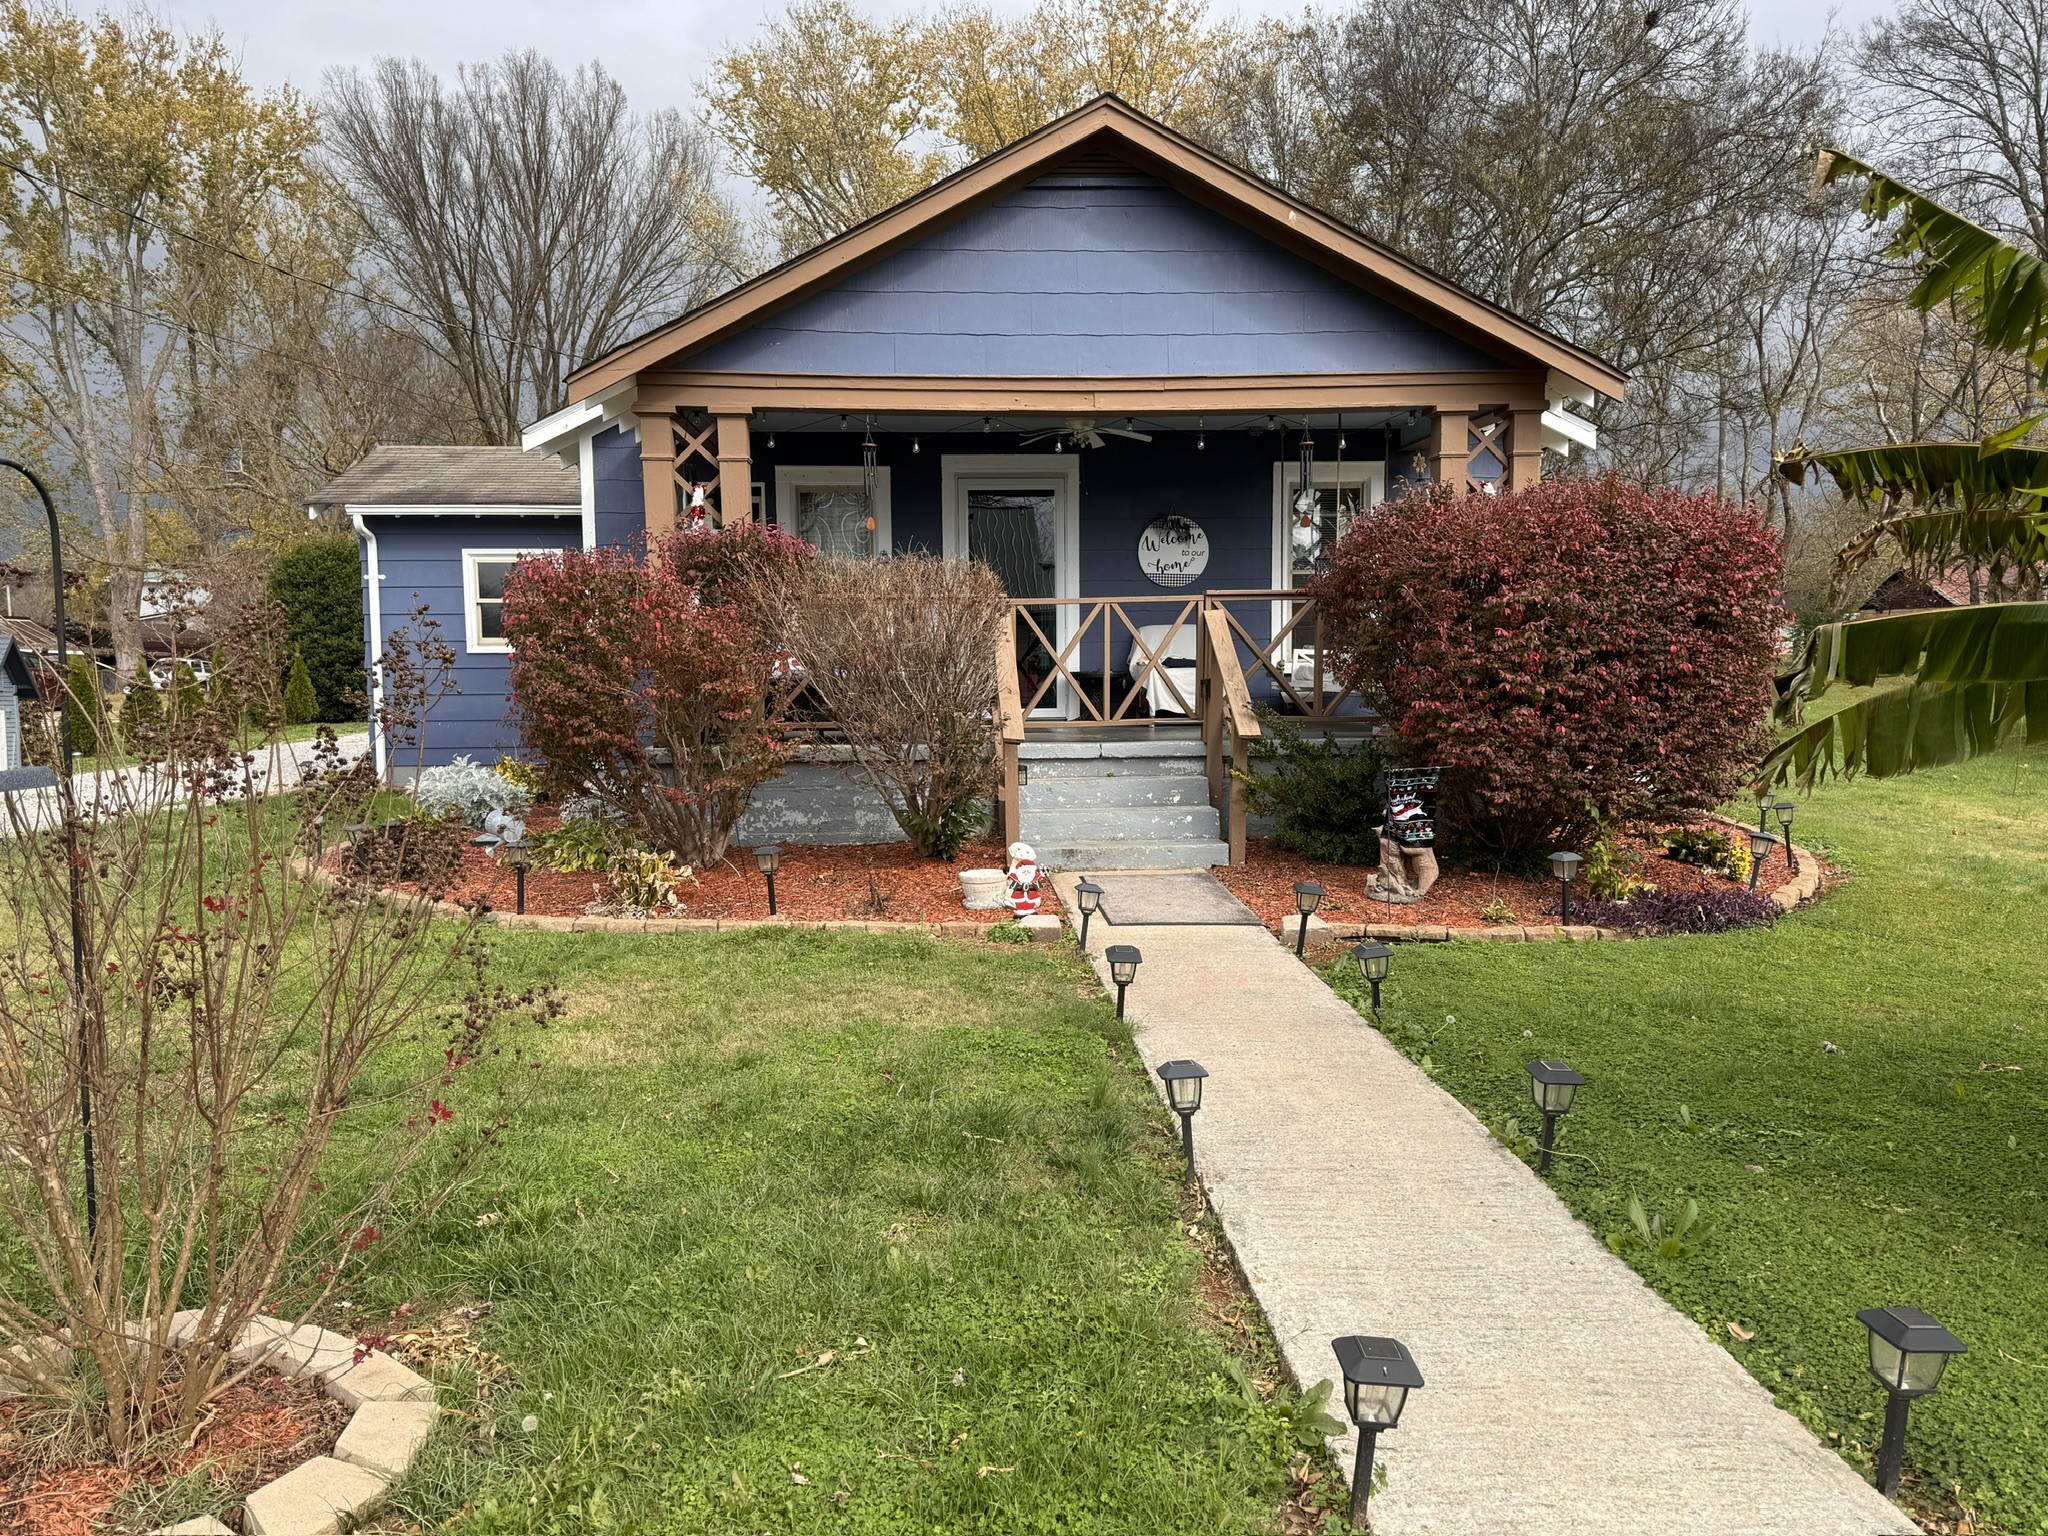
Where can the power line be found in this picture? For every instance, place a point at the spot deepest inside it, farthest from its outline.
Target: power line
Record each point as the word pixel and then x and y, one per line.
pixel 340 290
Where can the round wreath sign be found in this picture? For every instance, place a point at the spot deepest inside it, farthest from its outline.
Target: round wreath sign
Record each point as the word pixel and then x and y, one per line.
pixel 1173 550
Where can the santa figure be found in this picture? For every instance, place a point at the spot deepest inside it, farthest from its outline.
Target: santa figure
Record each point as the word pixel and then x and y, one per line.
pixel 700 504
pixel 1023 894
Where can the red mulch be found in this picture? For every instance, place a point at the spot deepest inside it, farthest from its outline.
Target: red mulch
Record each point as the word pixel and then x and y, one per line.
pixel 259 1429
pixel 1265 883
pixel 871 882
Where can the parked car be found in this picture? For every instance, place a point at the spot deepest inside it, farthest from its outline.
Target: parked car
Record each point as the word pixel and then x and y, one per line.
pixel 161 672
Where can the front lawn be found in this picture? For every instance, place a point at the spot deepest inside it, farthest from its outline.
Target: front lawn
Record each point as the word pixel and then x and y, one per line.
pixel 1858 1101
pixel 938 1162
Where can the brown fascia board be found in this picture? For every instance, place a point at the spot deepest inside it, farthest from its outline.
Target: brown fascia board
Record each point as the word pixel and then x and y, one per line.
pixel 1188 167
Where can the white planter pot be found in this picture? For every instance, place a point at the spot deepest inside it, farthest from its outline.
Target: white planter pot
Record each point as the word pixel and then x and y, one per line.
pixel 982 889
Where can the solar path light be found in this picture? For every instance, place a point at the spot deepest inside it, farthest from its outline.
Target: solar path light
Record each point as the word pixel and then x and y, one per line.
pixel 1088 897
pixel 1374 960
pixel 1785 810
pixel 1760 845
pixel 1565 867
pixel 1183 1080
pixel 1124 961
pixel 1307 897
pixel 1552 1085
pixel 1378 1376
pixel 1908 1353
pixel 768 859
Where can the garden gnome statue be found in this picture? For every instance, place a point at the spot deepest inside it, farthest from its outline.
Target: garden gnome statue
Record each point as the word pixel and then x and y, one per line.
pixel 1023 893
pixel 1407 838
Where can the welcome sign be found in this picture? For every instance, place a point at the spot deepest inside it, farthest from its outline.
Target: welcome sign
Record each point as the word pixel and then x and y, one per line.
pixel 1173 551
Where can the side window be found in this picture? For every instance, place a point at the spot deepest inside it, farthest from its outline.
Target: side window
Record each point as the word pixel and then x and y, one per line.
pixel 483 594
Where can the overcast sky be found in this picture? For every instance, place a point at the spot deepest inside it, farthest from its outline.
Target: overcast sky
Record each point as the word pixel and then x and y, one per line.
pixel 656 48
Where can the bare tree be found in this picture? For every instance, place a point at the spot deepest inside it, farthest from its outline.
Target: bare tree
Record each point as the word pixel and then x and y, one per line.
pixel 527 215
pixel 1964 105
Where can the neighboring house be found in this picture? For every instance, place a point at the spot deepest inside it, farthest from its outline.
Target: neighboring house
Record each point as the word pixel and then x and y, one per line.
pixel 1100 359
pixel 1902 592
pixel 17 684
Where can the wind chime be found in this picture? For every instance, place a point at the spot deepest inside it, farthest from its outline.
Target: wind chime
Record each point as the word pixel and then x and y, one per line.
pixel 1307 534
pixel 867 477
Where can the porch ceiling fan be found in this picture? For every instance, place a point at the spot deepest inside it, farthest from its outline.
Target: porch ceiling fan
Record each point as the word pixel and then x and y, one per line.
pixel 1083 430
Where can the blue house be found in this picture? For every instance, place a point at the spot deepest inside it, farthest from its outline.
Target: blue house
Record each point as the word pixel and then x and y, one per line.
pixel 1146 387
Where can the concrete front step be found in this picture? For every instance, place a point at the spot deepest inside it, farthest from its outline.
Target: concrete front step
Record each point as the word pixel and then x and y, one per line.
pixel 1047 749
pixel 1122 789
pixel 1121 824
pixel 1055 769
pixel 1157 854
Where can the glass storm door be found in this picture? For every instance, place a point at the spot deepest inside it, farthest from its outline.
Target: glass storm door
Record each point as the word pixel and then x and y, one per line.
pixel 1016 532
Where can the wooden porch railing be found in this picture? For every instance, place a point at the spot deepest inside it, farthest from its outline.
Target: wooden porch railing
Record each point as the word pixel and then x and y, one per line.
pixel 1009 736
pixel 1227 722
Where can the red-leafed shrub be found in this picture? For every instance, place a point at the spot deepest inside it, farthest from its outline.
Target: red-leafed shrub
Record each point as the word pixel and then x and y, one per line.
pixel 1583 651
pixel 618 662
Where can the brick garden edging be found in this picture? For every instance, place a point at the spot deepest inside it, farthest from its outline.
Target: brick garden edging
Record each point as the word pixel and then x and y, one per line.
pixel 393 1414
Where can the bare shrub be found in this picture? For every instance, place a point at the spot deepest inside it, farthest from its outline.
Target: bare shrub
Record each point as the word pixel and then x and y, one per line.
pixel 902 651
pixel 225 1084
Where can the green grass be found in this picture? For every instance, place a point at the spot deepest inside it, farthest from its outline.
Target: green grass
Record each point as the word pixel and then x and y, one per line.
pixel 1898 1167
pixel 749 1149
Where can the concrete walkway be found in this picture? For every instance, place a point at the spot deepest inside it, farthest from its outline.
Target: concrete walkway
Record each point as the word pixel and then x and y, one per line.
pixel 108 791
pixel 1564 1396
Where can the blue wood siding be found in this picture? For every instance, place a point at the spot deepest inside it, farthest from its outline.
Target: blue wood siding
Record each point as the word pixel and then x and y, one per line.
pixel 421 562
pixel 1092 277
pixel 617 486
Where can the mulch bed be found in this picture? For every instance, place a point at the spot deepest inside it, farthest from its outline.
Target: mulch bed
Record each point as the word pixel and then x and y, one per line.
pixel 1265 882
pixel 258 1430
pixel 862 882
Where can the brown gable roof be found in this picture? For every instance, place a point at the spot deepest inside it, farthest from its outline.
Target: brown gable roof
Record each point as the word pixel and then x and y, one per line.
pixel 1108 126
pixel 395 475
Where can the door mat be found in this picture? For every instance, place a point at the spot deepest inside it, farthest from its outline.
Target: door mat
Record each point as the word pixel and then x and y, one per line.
pixel 1170 901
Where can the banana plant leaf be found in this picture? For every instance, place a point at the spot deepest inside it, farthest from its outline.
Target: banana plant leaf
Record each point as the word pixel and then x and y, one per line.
pixel 2010 481
pixel 1977 676
pixel 2000 545
pixel 1997 289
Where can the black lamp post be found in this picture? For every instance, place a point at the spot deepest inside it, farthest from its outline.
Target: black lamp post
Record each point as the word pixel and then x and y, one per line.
pixel 1183 1081
pixel 68 796
pixel 1760 845
pixel 1552 1085
pixel 1088 897
pixel 1124 961
pixel 1908 1353
pixel 1785 810
pixel 1378 1376
pixel 1374 961
pixel 768 859
pixel 1307 897
pixel 1565 866
pixel 519 854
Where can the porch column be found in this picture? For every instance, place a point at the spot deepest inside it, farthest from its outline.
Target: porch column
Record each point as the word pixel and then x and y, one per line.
pixel 658 471
pixel 1525 450
pixel 1450 453
pixel 735 467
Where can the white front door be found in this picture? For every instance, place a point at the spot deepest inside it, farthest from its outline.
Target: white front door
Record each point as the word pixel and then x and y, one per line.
pixel 1019 513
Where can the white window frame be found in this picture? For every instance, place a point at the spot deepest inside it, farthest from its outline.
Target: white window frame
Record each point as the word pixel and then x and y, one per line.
pixel 790 478
pixel 1369 475
pixel 474 642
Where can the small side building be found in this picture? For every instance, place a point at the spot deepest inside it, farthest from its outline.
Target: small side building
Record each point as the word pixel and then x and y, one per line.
pixel 439 528
pixel 17 685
